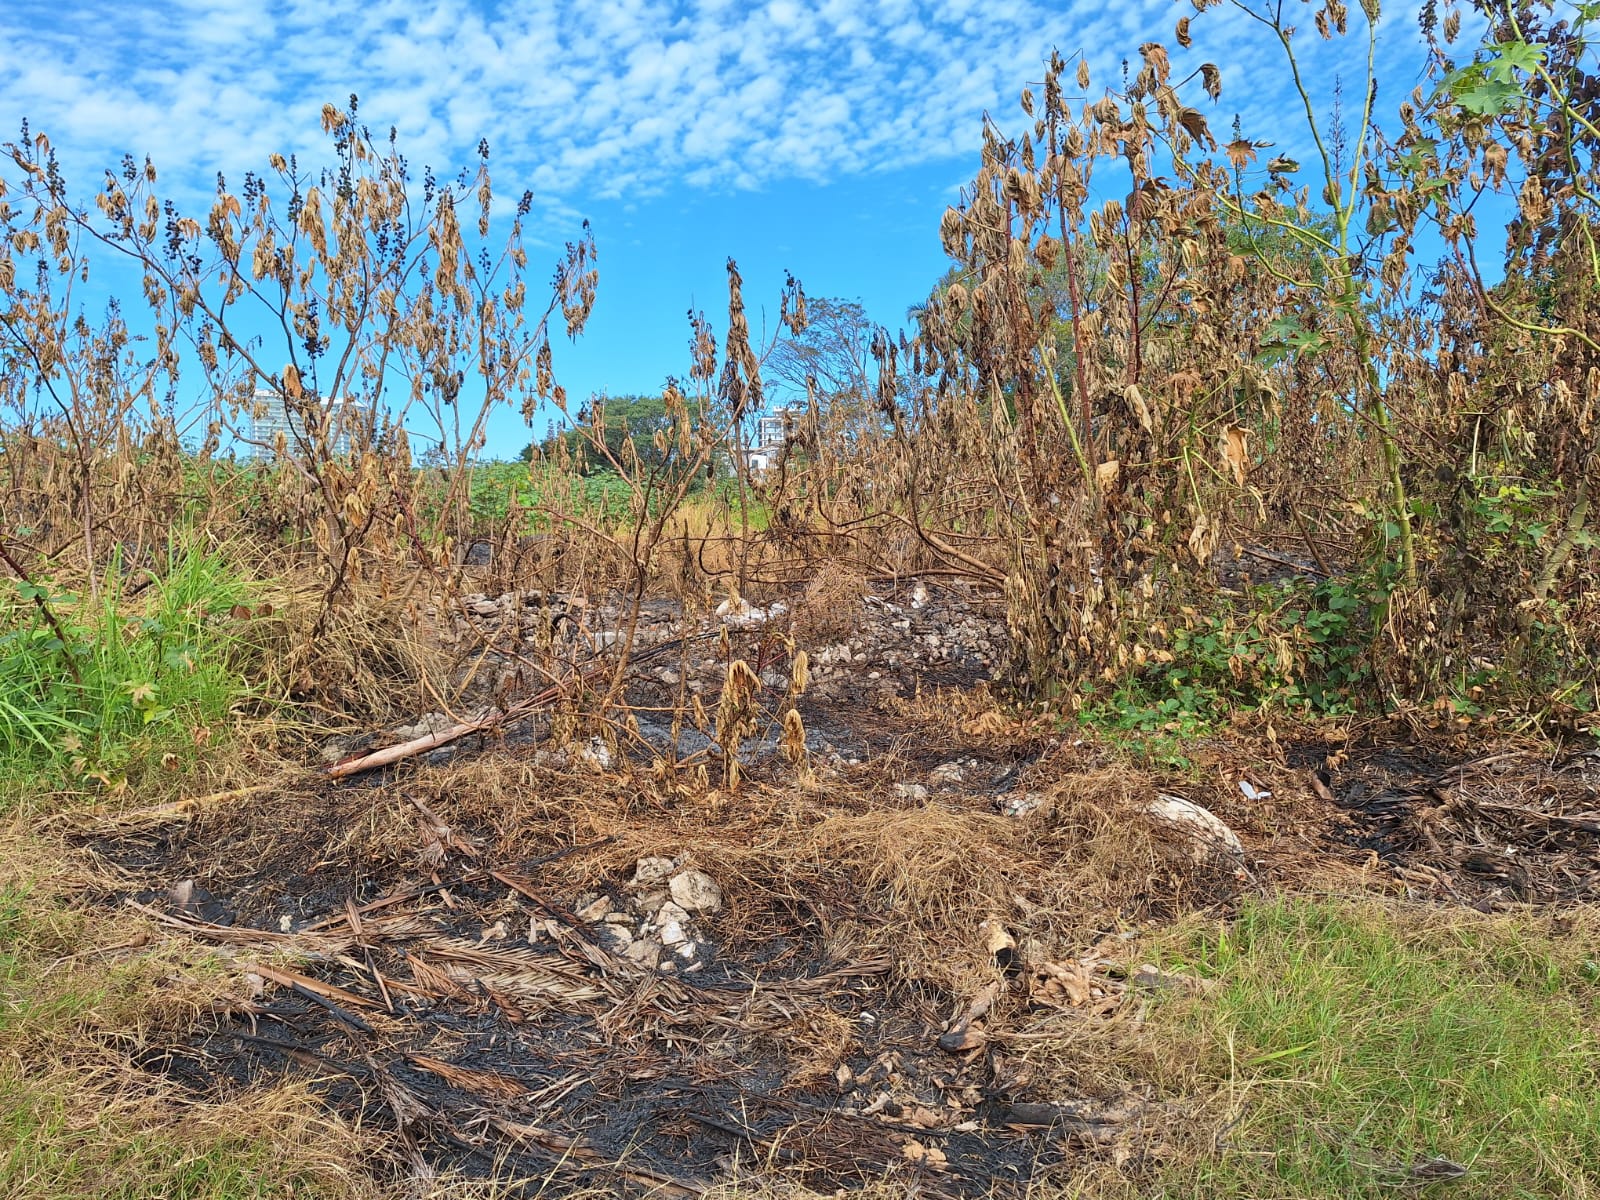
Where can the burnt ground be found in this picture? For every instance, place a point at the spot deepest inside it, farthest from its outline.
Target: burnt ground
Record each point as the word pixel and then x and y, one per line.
pixel 483 951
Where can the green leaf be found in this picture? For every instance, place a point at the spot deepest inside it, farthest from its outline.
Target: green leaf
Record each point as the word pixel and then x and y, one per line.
pixel 1279 1055
pixel 1513 56
pixel 1490 99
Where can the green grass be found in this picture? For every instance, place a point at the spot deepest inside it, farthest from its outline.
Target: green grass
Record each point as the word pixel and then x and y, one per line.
pixel 1358 1041
pixel 121 682
pixel 602 497
pixel 50 1148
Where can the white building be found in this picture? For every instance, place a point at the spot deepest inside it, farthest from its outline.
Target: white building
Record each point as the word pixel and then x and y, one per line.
pixel 773 431
pixel 269 417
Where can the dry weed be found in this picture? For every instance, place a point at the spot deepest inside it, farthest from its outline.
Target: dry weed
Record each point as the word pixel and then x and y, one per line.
pixel 830 608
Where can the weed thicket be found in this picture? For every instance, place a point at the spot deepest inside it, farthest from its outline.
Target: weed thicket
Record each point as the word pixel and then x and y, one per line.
pixel 139 674
pixel 1156 343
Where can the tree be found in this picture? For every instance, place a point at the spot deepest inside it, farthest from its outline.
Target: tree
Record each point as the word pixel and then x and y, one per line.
pixel 612 432
pixel 831 357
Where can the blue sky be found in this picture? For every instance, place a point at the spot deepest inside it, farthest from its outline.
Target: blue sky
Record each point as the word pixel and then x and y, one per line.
pixel 821 138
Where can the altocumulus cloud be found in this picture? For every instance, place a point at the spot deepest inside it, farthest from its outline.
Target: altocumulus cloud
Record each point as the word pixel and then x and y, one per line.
pixel 579 99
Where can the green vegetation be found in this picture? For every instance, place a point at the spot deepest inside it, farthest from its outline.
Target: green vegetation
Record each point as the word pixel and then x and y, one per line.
pixel 1296 649
pixel 141 675
pixel 73 1123
pixel 533 489
pixel 1360 1045
pixel 613 433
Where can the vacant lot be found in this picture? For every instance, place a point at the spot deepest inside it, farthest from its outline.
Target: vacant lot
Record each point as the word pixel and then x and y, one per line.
pixel 939 948
pixel 1130 733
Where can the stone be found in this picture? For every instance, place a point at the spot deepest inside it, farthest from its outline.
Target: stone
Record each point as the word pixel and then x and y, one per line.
pixel 644 952
pixel 595 754
pixel 946 774
pixel 1020 804
pixel 913 792
pixel 594 910
pixel 672 934
pixel 614 938
pixel 652 871
pixel 647 902
pixel 696 891
pixel 1210 835
pixel 670 913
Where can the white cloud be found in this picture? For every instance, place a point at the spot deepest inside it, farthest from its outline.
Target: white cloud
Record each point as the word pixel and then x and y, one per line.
pixel 587 97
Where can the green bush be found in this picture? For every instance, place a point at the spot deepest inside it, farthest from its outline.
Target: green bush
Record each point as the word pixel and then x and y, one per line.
pixel 1298 648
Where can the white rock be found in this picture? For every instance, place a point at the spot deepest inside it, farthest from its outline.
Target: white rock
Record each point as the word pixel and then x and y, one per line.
pixel 914 792
pixel 696 891
pixel 671 914
pixel 644 952
pixel 595 910
pixel 652 870
pixel 671 934
pixel 1210 835
pixel 646 902
pixel 743 613
pixel 1020 804
pixel 595 754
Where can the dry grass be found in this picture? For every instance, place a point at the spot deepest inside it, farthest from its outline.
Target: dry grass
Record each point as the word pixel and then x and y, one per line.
pixel 845 872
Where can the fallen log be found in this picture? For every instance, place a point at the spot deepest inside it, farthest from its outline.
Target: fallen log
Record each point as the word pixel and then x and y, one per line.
pixel 492 719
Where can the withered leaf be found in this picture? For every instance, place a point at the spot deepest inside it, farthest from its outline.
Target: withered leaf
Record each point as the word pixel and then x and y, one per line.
pixel 1195 126
pixel 1240 153
pixel 1235 446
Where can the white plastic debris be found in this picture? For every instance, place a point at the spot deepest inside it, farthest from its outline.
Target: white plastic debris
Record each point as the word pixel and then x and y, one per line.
pixel 741 613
